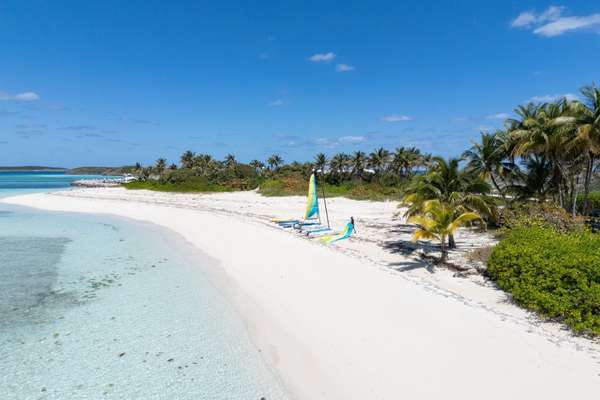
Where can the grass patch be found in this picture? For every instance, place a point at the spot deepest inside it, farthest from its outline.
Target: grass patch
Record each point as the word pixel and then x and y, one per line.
pixel 556 274
pixel 289 186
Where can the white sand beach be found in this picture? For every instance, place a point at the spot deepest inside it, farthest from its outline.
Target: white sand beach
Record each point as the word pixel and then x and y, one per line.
pixel 364 318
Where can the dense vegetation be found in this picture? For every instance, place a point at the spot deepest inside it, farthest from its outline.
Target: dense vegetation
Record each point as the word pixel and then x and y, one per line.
pixel 535 179
pixel 377 176
pixel 556 274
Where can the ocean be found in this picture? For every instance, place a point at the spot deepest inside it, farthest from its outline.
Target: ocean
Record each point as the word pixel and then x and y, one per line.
pixel 96 307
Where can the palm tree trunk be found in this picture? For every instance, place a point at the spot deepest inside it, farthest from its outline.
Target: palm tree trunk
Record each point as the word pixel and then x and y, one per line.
pixel 574 190
pixel 444 256
pixel 586 184
pixel 451 242
pixel 497 187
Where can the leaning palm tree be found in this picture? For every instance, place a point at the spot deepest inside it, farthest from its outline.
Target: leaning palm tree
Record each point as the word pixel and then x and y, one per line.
pixel 274 161
pixel 487 159
pixel 440 221
pixel 160 166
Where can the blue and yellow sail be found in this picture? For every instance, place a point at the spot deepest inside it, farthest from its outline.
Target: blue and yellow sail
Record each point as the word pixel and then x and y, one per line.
pixel 345 234
pixel 312 204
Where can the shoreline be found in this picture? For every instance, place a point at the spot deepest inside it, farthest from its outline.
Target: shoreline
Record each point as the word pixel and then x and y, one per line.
pixel 334 327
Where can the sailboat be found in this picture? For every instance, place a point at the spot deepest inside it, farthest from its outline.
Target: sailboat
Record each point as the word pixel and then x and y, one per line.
pixel 312 216
pixel 311 225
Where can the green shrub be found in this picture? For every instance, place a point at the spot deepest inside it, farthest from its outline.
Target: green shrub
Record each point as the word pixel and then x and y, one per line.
pixel 298 185
pixel 525 214
pixel 191 184
pixel 593 201
pixel 554 273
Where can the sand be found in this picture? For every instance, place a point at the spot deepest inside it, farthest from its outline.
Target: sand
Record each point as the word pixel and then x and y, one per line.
pixel 364 318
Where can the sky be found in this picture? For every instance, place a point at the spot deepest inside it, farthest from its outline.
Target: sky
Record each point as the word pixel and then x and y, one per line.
pixel 114 82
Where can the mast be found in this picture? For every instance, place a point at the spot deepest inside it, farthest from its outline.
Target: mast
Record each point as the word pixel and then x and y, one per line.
pixel 325 203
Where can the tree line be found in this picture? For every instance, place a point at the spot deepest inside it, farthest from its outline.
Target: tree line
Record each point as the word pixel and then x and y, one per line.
pixel 547 153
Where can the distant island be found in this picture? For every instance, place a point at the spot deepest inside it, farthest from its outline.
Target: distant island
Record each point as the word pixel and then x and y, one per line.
pixel 31 168
pixel 73 171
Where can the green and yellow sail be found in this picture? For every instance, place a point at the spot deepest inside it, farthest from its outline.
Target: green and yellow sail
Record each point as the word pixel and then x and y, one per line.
pixel 312 204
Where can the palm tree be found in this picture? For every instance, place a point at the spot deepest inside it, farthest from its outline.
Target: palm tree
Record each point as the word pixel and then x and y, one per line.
pixel 358 161
pixel 401 161
pixel 320 162
pixel 160 165
pixel 586 120
pixel 405 160
pixel 274 161
pixel 487 159
pixel 447 183
pixel 439 221
pixel 257 165
pixel 378 160
pixel 338 164
pixel 173 166
pixel 202 162
pixel 231 163
pixel 187 159
pixel 536 181
pixel 543 130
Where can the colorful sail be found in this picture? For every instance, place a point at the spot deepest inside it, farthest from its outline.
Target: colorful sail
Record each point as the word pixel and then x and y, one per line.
pixel 340 236
pixel 312 205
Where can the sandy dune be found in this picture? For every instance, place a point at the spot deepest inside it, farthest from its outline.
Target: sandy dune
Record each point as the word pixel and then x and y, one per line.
pixel 364 318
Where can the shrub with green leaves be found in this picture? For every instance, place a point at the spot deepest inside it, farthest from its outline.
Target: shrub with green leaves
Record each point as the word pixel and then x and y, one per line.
pixel 593 201
pixel 534 214
pixel 556 274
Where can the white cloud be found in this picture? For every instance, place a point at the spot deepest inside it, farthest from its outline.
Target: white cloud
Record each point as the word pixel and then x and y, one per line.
pixel 352 139
pixel 340 141
pixel 549 98
pixel 326 142
pixel 397 118
pixel 524 19
pixel 322 57
pixel 529 18
pixel 276 103
pixel 25 96
pixel 344 68
pixel 551 22
pixel 498 116
pixel 562 25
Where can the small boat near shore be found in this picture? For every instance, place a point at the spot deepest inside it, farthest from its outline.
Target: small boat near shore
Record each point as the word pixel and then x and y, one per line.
pixel 112 181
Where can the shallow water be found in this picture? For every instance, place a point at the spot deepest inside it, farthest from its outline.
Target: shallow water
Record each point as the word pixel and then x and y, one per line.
pixel 99 307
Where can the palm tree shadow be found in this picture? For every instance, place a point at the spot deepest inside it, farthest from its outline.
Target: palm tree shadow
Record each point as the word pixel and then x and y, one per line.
pixel 406 266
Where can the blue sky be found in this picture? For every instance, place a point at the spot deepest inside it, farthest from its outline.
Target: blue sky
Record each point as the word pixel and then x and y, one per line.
pixel 115 82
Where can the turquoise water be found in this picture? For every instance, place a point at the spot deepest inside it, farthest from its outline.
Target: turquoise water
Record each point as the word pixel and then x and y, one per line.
pixel 95 307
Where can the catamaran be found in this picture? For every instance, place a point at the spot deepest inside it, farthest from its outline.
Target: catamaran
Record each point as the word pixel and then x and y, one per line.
pixel 311 225
pixel 312 216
